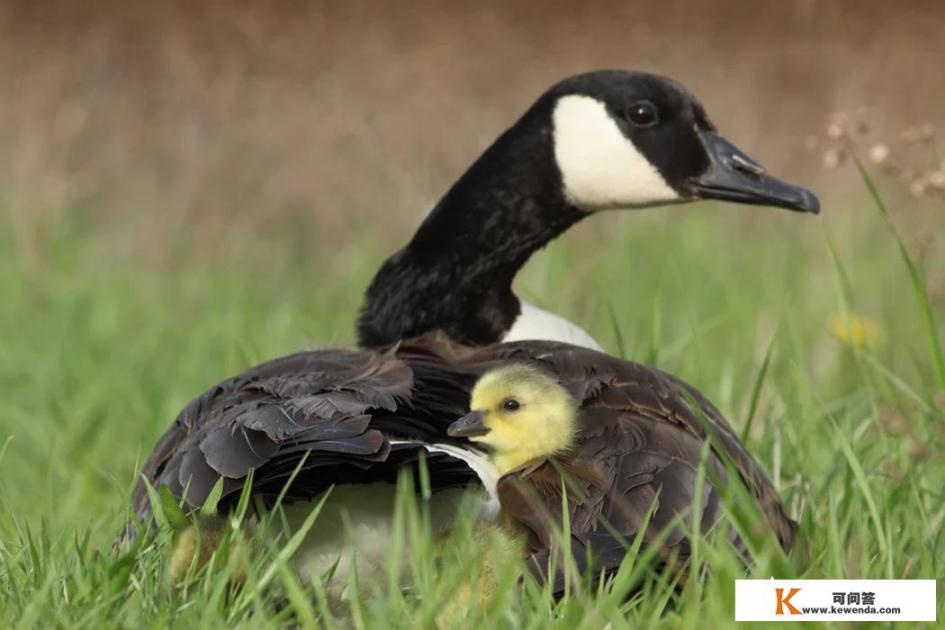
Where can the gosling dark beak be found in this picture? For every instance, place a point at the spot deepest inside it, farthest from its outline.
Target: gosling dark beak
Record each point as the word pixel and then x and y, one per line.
pixel 472 424
pixel 733 176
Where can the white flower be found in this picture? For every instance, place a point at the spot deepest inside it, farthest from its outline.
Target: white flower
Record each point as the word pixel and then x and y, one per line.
pixel 832 159
pixel 878 153
pixel 834 131
pixel 937 179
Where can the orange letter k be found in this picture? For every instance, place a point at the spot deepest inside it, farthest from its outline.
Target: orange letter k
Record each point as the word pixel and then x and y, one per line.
pixel 786 601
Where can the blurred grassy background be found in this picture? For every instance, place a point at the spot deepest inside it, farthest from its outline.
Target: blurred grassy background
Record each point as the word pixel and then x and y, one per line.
pixel 188 117
pixel 185 190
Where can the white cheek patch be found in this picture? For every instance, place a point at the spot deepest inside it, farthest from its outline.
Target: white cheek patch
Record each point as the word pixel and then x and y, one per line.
pixel 600 167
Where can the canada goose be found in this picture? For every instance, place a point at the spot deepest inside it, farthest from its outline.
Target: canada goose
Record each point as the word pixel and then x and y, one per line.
pixel 596 141
pixel 363 416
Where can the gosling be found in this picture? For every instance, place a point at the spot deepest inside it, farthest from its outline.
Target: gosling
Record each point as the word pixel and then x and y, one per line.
pixel 522 415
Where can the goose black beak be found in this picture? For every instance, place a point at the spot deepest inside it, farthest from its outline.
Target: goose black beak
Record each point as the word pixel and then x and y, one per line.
pixel 733 176
pixel 470 425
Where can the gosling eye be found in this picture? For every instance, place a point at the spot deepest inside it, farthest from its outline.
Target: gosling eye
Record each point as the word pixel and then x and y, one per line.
pixel 642 114
pixel 510 404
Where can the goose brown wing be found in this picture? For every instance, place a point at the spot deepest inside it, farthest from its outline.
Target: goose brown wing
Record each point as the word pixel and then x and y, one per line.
pixel 336 408
pixel 622 467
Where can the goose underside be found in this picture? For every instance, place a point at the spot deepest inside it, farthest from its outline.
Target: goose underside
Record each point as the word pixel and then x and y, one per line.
pixel 355 531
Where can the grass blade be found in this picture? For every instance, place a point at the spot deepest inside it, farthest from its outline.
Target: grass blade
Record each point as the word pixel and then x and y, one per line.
pixel 915 278
pixel 756 388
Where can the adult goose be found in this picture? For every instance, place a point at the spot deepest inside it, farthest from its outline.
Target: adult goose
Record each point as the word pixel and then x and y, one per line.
pixel 596 141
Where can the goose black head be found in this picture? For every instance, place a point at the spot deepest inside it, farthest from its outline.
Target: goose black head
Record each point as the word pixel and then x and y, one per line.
pixel 627 139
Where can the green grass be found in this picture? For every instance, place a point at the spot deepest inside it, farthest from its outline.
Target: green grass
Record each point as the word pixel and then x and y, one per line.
pixel 99 349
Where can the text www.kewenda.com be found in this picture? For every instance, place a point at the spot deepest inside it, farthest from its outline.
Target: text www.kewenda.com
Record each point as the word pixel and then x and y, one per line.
pixel 839 610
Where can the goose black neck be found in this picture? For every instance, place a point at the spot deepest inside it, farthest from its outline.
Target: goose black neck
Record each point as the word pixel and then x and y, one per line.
pixel 456 273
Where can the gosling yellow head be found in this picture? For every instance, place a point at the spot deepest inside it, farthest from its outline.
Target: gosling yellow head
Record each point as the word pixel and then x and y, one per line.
pixel 521 413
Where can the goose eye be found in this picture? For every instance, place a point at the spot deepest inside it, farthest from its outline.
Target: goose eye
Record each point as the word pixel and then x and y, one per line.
pixel 642 114
pixel 510 404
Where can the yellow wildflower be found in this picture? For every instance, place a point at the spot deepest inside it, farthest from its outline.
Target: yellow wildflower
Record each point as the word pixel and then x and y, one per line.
pixel 856 330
